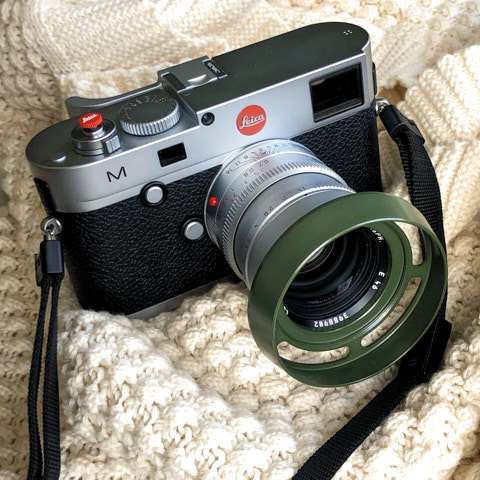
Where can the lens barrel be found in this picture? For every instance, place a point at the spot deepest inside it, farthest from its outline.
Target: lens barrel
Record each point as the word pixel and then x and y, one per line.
pixel 260 193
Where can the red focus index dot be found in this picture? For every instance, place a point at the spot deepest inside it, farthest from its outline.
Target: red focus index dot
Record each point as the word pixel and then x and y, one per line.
pixel 90 120
pixel 213 201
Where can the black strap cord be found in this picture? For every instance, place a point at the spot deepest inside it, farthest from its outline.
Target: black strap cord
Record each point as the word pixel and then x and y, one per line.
pixel 46 465
pixel 35 466
pixel 424 359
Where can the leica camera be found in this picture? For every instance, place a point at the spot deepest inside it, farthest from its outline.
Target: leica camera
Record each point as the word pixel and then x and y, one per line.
pixel 250 163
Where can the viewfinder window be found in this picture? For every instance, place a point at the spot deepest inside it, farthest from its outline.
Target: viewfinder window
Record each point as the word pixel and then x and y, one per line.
pixel 337 92
pixel 172 154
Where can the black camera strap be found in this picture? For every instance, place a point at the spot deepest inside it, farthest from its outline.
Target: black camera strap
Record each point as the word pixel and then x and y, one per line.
pixel 424 359
pixel 416 367
pixel 49 271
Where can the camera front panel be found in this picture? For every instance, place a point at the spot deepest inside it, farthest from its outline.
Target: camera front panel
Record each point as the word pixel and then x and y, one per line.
pixel 350 148
pixel 130 256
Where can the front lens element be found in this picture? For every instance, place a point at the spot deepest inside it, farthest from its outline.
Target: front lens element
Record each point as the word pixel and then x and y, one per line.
pixel 339 281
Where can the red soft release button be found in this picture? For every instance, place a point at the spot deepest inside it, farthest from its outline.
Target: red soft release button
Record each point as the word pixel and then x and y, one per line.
pixel 90 120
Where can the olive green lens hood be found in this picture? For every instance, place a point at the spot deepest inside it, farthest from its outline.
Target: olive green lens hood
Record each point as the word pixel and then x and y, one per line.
pixel 271 325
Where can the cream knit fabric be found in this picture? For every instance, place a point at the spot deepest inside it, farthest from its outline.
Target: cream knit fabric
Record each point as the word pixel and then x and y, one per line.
pixel 187 394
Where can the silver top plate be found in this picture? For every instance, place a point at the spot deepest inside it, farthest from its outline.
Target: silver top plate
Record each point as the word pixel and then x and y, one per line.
pixel 274 75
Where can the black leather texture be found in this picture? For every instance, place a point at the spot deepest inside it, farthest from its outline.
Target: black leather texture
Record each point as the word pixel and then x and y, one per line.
pixel 350 148
pixel 129 256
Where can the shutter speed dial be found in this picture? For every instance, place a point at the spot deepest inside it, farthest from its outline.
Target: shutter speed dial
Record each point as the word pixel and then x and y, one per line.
pixel 150 114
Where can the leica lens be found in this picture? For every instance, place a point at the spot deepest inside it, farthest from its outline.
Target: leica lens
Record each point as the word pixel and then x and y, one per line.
pixel 325 266
pixel 261 193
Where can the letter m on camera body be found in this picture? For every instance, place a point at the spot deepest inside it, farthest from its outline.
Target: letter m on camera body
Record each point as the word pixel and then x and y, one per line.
pixel 163 190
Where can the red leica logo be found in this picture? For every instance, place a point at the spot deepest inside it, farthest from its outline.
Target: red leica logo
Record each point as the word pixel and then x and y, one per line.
pixel 251 120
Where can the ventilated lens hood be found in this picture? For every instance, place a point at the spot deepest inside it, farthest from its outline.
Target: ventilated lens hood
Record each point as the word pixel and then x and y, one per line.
pixel 382 212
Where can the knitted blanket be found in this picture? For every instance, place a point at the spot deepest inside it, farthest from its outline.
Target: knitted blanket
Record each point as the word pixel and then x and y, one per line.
pixel 188 394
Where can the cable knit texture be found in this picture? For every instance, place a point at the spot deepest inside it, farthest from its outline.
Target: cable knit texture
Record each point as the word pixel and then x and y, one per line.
pixel 187 394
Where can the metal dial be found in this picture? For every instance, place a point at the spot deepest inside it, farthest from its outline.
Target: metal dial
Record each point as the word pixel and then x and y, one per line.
pixel 150 114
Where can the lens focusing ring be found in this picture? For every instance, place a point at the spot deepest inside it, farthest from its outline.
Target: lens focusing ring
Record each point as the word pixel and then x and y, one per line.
pixel 256 233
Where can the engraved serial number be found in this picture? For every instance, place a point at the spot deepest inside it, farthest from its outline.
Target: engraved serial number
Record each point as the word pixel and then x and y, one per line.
pixel 330 321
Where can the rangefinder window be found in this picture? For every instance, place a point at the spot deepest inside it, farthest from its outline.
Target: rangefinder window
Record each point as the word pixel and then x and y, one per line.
pixel 336 93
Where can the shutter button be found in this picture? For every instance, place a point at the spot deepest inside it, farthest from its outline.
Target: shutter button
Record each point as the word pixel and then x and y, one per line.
pixel 90 120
